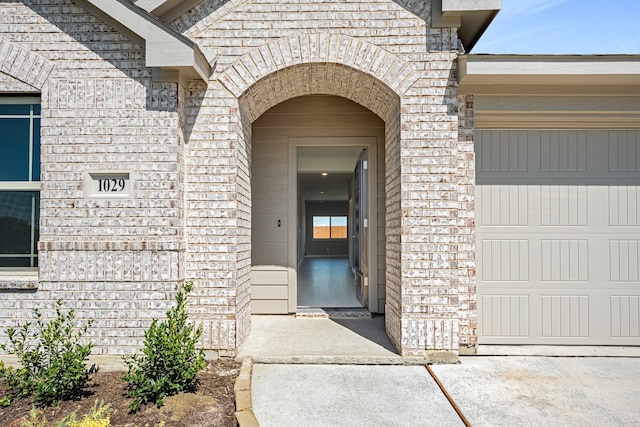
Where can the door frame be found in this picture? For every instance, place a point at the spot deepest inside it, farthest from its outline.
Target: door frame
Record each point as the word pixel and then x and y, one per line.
pixel 368 142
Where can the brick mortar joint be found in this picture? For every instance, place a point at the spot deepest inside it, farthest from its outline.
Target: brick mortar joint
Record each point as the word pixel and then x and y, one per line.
pixel 175 246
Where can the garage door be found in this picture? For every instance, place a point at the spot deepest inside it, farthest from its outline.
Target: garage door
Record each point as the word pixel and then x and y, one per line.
pixel 558 236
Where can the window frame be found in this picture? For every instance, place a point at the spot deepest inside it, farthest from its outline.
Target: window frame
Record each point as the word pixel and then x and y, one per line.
pixel 29 185
pixel 330 238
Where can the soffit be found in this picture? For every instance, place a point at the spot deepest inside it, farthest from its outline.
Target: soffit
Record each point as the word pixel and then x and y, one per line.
pixel 172 56
pixel 166 10
pixel 470 17
pixel 542 74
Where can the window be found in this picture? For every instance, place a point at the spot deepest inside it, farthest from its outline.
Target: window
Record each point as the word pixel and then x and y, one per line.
pixel 19 182
pixel 329 227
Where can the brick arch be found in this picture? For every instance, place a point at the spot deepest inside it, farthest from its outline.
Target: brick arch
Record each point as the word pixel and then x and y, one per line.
pixel 24 65
pixel 316 79
pixel 319 63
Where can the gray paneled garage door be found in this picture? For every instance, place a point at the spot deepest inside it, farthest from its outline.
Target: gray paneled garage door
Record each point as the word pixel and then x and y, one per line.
pixel 558 227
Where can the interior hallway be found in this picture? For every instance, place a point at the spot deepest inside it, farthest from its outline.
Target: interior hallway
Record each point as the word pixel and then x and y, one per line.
pixel 326 283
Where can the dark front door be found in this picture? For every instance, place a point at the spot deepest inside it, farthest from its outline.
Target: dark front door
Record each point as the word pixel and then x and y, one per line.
pixel 359 227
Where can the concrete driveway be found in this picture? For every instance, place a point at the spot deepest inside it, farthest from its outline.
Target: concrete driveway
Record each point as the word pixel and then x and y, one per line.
pixel 490 391
pixel 545 391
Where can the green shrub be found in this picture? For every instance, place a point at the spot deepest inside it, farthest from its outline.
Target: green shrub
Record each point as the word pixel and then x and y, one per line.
pixel 51 356
pixel 170 362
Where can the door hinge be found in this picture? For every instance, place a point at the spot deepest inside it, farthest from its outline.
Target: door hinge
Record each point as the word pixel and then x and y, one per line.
pixel 365 165
pixel 365 223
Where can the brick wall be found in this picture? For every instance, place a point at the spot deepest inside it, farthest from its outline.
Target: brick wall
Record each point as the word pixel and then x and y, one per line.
pixel 116 261
pixel 465 250
pixel 393 218
pixel 189 152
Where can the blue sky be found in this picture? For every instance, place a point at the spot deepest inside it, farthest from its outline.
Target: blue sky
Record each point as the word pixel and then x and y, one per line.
pixel 564 27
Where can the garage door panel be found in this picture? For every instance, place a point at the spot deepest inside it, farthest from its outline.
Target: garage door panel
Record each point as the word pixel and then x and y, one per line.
pixel 563 205
pixel 624 261
pixel 564 260
pixel 565 316
pixel 505 260
pixel 500 154
pixel 563 151
pixel 558 237
pixel 504 205
pixel 559 316
pixel 625 316
pixel 624 206
pixel 605 159
pixel 624 151
pixel 505 315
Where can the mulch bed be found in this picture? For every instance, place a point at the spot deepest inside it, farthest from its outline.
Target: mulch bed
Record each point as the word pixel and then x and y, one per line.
pixel 211 405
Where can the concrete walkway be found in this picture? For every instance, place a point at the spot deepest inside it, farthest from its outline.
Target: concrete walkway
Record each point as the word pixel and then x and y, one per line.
pixel 332 373
pixel 349 396
pixel 287 339
pixel 490 391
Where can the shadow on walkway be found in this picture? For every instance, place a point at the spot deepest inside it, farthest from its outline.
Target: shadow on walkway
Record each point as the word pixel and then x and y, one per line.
pixel 288 339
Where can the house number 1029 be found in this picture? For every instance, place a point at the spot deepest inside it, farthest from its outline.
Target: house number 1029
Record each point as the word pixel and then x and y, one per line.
pixel 112 185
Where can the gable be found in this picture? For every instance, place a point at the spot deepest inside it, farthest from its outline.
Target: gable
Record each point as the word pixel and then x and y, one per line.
pixel 470 17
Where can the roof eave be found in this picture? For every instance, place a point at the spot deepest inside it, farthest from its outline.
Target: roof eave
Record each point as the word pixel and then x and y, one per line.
pixel 165 49
pixel 166 10
pixel 470 17
pixel 484 74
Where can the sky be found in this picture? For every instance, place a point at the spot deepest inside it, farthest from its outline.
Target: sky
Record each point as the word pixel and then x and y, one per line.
pixel 563 27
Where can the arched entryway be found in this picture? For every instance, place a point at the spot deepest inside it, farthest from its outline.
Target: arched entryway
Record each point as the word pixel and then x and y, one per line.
pixel 317 210
pixel 420 157
pixel 317 106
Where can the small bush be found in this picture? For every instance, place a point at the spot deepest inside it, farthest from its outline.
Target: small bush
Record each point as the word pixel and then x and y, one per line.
pixel 170 362
pixel 51 356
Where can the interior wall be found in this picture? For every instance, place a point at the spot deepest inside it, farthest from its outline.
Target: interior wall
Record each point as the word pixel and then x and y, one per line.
pixel 325 247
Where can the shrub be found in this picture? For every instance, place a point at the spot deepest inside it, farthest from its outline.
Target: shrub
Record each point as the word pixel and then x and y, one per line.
pixel 170 362
pixel 51 356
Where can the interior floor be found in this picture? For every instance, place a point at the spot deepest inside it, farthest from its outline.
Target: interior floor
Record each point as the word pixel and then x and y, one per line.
pixel 326 283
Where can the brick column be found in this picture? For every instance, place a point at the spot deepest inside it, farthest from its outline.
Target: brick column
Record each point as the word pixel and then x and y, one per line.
pixel 218 216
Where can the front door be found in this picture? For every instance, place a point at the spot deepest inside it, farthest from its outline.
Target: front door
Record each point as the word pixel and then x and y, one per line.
pixel 359 227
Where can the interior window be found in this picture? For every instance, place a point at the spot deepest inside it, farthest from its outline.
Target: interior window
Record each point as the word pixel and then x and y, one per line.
pixel 19 182
pixel 329 227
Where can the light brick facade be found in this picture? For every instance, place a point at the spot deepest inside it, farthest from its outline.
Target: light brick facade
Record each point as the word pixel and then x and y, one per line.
pixel 188 148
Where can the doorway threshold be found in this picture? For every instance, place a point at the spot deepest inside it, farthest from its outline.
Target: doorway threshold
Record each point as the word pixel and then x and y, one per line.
pixel 333 313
